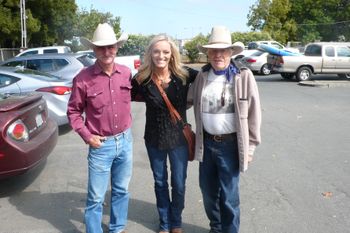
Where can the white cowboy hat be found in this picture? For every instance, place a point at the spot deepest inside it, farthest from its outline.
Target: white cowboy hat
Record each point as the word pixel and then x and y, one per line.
pixel 220 38
pixel 103 36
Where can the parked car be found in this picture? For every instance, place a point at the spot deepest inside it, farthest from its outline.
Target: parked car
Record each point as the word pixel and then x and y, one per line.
pixel 45 50
pixel 257 62
pixel 55 90
pixel 27 134
pixel 244 53
pixel 133 61
pixel 66 66
pixel 318 58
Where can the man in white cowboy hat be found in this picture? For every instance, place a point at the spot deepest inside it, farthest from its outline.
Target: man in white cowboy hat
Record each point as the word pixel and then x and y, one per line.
pixel 99 111
pixel 228 116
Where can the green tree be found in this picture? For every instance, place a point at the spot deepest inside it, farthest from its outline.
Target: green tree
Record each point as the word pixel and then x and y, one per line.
pixel 10 23
pixel 246 37
pixel 56 17
pixel 191 47
pixel 136 45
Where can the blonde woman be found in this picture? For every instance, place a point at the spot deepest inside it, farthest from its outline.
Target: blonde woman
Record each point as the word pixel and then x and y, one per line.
pixel 164 139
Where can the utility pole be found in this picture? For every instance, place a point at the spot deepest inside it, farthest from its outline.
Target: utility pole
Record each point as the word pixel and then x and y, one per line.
pixel 23 24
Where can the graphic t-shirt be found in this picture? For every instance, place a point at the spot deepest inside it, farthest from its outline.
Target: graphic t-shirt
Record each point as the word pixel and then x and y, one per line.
pixel 218 105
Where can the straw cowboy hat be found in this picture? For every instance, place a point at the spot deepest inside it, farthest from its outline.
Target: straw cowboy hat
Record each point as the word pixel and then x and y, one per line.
pixel 103 36
pixel 220 38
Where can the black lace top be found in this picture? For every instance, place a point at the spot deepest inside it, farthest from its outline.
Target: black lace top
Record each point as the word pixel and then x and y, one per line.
pixel 160 131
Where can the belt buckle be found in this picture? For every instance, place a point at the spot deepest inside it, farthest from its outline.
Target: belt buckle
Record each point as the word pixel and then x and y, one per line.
pixel 217 138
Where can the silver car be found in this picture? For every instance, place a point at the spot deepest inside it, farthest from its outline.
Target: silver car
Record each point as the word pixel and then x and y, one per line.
pixel 55 90
pixel 257 62
pixel 65 65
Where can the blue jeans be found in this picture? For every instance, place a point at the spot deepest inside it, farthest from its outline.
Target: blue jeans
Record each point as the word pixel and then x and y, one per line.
pixel 219 180
pixel 111 162
pixel 169 210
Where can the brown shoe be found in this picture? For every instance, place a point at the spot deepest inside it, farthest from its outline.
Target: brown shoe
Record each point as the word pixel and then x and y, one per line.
pixel 164 232
pixel 176 230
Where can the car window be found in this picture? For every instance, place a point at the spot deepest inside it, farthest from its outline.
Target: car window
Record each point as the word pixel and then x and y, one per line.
pixel 60 63
pixel 85 60
pixel 37 74
pixel 33 64
pixel 329 51
pixel 277 45
pixel 50 50
pixel 29 53
pixel 343 51
pixel 6 80
pixel 14 64
pixel 313 50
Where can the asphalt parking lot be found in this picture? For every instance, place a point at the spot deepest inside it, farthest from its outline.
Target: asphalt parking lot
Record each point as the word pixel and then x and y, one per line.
pixel 297 183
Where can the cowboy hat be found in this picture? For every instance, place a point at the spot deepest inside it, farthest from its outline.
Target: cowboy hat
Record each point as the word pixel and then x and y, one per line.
pixel 220 38
pixel 103 36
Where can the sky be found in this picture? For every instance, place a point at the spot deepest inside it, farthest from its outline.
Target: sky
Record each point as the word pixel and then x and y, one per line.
pixel 181 19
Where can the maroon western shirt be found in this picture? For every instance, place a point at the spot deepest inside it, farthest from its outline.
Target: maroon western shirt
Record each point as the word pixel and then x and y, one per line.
pixel 104 100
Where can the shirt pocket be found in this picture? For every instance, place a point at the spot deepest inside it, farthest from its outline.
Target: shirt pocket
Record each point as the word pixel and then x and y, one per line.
pixel 125 92
pixel 96 99
pixel 243 108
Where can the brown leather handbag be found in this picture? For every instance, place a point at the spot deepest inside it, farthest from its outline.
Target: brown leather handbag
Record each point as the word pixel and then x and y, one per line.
pixel 175 117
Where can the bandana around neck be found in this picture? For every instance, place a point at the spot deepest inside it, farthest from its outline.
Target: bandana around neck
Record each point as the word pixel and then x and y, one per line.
pixel 229 72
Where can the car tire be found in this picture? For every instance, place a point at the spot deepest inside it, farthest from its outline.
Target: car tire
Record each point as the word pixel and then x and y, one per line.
pixel 304 73
pixel 265 70
pixel 344 76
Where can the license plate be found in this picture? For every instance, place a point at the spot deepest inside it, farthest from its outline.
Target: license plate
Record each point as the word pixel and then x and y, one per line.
pixel 39 120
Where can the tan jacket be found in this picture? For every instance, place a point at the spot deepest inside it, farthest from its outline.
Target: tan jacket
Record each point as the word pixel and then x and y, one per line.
pixel 247 113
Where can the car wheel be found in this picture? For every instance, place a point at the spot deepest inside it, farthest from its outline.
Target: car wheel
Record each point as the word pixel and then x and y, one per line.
pixel 287 76
pixel 344 76
pixel 265 70
pixel 303 74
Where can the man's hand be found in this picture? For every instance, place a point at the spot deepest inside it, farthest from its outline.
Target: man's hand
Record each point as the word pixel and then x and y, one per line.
pixel 96 141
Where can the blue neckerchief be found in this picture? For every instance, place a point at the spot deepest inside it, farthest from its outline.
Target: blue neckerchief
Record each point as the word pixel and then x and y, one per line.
pixel 229 72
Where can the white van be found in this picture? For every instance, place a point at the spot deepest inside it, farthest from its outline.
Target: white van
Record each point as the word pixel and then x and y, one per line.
pixel 44 50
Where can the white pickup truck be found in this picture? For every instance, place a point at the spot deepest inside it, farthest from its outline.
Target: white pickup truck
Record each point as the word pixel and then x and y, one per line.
pixel 318 58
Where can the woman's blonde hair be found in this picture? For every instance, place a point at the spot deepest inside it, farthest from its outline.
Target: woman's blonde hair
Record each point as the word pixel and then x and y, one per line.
pixel 175 65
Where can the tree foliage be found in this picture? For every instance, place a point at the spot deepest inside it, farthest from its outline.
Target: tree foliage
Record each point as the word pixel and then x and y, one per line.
pixel 301 20
pixel 136 44
pixel 191 47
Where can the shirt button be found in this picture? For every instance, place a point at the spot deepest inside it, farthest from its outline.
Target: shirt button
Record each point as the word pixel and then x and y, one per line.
pixel 112 90
pixel 116 115
pixel 116 126
pixel 113 102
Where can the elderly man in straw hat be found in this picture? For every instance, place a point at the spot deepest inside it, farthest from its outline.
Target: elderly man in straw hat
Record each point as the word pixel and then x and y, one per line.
pixel 99 111
pixel 228 117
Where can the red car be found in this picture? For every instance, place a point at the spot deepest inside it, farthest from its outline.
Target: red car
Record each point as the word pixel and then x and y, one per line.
pixel 27 135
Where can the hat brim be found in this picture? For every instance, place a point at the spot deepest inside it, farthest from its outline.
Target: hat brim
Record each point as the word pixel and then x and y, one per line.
pixel 89 44
pixel 236 47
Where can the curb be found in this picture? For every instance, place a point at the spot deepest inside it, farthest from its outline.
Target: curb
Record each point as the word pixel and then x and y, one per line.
pixel 325 84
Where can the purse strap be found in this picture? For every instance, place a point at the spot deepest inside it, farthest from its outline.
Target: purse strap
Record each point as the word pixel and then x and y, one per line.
pixel 175 116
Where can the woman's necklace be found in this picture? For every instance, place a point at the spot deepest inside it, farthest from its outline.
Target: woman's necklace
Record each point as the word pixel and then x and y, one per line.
pixel 163 80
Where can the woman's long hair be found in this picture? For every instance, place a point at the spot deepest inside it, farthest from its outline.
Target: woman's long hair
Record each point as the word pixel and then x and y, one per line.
pixel 175 65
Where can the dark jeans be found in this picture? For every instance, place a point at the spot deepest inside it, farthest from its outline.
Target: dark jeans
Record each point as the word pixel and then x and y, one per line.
pixel 219 180
pixel 169 209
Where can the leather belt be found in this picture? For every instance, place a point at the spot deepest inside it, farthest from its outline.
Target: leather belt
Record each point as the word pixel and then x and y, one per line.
pixel 220 137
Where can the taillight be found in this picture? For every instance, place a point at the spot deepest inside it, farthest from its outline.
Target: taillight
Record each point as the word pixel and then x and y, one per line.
pixel 18 131
pixel 137 63
pixel 58 90
pixel 250 60
pixel 280 60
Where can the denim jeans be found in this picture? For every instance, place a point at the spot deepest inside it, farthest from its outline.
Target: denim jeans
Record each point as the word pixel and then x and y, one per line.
pixel 112 162
pixel 169 210
pixel 219 180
